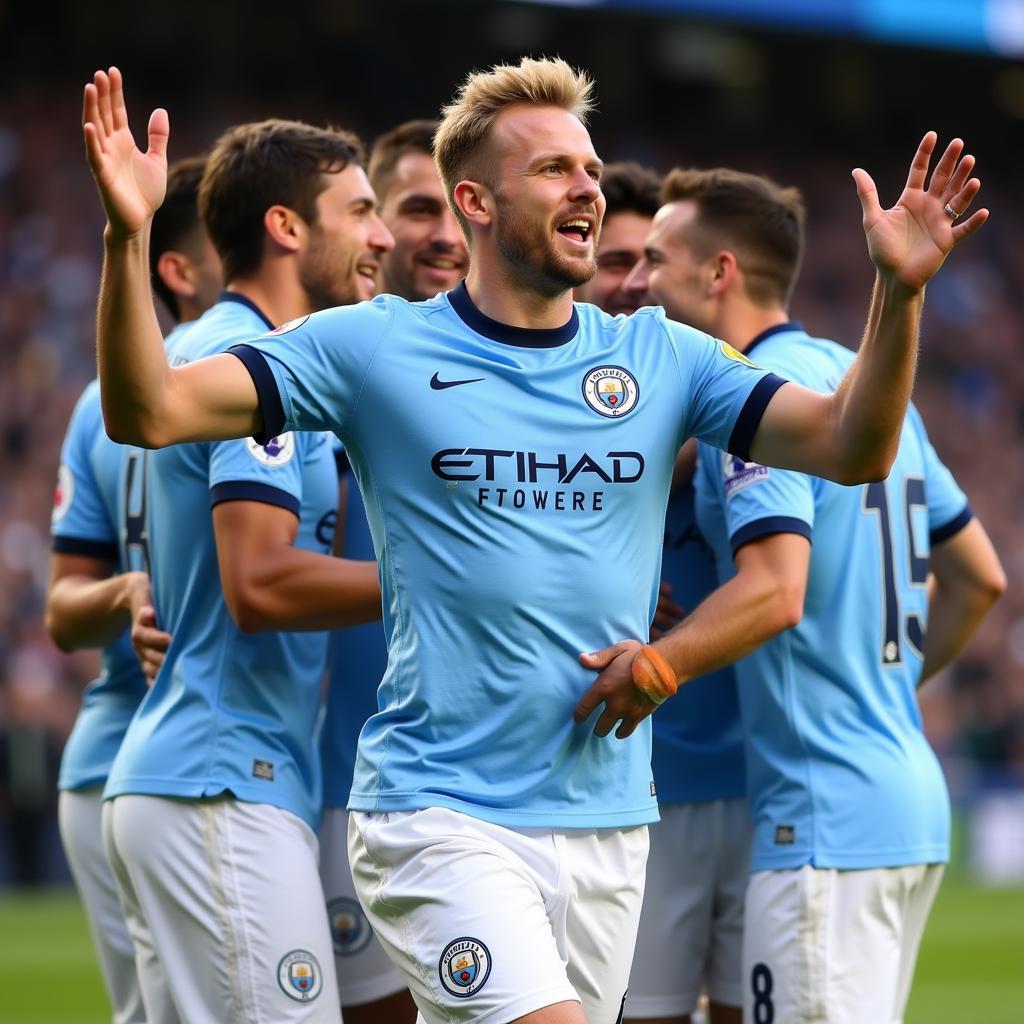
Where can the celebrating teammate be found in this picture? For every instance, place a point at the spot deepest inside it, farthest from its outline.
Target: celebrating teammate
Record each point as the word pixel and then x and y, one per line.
pixel 514 452
pixel 430 253
pixel 214 796
pixel 99 582
pixel 850 809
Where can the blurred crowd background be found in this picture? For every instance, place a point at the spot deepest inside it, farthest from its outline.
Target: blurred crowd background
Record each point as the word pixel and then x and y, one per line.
pixel 801 100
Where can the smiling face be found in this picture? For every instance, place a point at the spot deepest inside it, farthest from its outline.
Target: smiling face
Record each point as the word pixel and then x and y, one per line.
pixel 430 253
pixel 669 274
pixel 340 261
pixel 620 249
pixel 549 204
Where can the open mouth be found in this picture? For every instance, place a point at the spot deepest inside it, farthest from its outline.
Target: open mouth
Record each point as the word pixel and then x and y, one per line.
pixel 576 228
pixel 441 263
pixel 368 270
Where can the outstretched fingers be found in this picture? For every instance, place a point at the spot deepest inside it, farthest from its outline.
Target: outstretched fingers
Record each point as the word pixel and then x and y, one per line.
pixel 945 167
pixel 966 228
pixel 960 175
pixel 867 193
pixel 919 165
pixel 159 132
pixel 118 110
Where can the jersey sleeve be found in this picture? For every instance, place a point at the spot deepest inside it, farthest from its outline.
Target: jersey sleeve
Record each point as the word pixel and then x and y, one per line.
pixel 309 373
pixel 759 501
pixel 948 509
pixel 270 473
pixel 81 522
pixel 724 393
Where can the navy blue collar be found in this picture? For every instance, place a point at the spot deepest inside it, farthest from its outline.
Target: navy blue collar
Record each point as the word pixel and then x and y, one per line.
pixel 524 337
pixel 792 325
pixel 243 301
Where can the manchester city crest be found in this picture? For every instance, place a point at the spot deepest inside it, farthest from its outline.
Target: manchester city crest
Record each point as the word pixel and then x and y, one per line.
pixel 278 451
pixel 610 390
pixel 350 931
pixel 63 493
pixel 299 976
pixel 464 967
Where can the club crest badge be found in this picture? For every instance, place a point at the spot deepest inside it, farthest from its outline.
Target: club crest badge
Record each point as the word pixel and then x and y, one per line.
pixel 611 391
pixel 299 976
pixel 464 967
pixel 63 493
pixel 278 451
pixel 350 931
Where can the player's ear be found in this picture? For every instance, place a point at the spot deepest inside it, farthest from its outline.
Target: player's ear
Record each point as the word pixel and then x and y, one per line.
pixel 723 272
pixel 475 202
pixel 284 227
pixel 177 273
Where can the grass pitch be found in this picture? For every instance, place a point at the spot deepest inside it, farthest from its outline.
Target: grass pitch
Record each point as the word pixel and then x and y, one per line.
pixel 971 968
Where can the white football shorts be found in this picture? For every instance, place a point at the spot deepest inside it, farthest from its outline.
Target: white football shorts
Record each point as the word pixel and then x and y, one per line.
pixel 834 947
pixel 691 925
pixel 79 812
pixel 489 923
pixel 364 971
pixel 224 905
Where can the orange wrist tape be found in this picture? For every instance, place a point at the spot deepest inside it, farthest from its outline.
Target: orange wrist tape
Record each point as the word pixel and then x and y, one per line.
pixel 653 674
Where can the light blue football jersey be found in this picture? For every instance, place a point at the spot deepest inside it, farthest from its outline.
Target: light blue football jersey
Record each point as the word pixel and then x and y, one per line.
pixel 356 661
pixel 697 753
pixel 515 483
pixel 839 772
pixel 229 712
pixel 98 512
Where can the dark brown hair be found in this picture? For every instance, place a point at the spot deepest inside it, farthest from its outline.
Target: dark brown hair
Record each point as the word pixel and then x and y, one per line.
pixel 409 137
pixel 760 221
pixel 176 225
pixel 630 188
pixel 255 166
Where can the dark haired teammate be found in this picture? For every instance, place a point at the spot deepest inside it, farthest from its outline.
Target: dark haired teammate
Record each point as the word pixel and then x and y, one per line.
pixel 99 581
pixel 516 507
pixel 850 809
pixel 213 798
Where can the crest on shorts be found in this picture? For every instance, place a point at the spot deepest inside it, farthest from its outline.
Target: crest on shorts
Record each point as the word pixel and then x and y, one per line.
pixel 464 967
pixel 350 931
pixel 610 390
pixel 278 451
pixel 299 976
pixel 63 493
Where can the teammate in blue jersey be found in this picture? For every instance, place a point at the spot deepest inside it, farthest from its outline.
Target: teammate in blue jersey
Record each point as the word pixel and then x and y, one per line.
pixel 829 587
pixel 691 924
pixel 214 796
pixel 514 452
pixel 429 256
pixel 100 581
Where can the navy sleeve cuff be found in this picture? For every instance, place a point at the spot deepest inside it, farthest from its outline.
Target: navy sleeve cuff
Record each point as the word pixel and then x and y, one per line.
pixel 104 551
pixel 952 528
pixel 251 490
pixel 749 419
pixel 765 528
pixel 271 407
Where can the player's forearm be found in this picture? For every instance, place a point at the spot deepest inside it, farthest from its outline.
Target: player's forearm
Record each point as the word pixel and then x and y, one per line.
pixel 133 368
pixel 299 590
pixel 871 401
pixel 954 613
pixel 730 623
pixel 86 612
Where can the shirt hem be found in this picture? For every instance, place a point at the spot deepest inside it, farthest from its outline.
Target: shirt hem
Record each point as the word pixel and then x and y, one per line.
pixel 627 818
pixel 845 861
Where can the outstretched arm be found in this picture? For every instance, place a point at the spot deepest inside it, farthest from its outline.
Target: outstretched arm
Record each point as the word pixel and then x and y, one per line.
pixel 967 579
pixel 851 436
pixel 145 401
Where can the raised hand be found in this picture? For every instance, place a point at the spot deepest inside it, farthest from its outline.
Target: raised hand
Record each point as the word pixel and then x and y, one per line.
pixel 131 183
pixel 911 240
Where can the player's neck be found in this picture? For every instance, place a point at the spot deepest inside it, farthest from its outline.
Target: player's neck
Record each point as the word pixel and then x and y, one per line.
pixel 740 325
pixel 279 297
pixel 509 300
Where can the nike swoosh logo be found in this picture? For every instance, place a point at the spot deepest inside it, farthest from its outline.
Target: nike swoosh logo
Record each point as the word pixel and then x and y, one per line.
pixel 439 385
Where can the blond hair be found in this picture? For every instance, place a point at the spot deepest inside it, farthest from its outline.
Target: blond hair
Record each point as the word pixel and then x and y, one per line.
pixel 467 120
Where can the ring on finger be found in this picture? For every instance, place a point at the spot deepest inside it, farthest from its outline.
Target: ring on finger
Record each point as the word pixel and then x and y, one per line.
pixel 950 212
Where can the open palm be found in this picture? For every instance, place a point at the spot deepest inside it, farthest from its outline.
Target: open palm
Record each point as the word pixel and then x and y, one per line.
pixel 910 241
pixel 131 183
